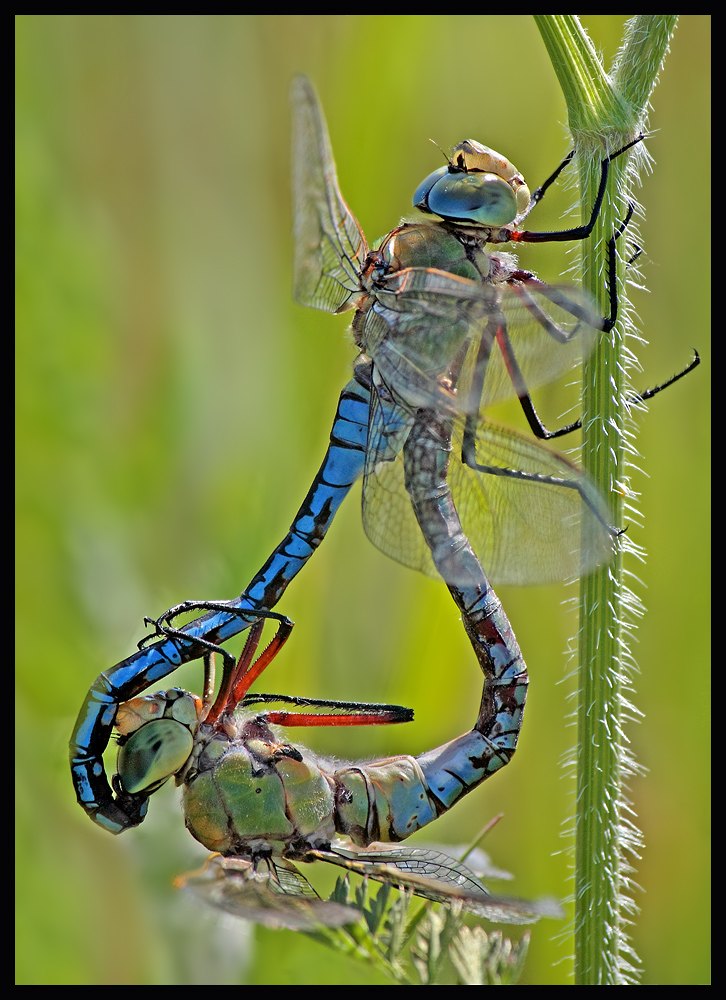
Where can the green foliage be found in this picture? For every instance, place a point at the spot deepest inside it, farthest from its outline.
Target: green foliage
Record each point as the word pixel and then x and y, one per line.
pixel 425 946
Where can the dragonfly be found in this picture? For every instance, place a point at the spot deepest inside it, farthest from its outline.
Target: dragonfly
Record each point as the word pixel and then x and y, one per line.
pixel 261 803
pixel 444 327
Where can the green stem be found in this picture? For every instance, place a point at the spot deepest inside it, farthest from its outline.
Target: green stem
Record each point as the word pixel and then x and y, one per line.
pixel 605 113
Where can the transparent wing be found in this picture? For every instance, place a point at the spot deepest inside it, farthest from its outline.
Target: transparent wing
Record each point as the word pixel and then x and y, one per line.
pixel 329 245
pixel 266 892
pixel 523 527
pixel 547 525
pixel 422 321
pixel 477 860
pixel 388 517
pixel 438 877
pixel 429 328
pixel 542 332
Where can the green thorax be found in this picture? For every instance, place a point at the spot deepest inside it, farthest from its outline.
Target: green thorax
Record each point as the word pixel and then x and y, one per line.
pixel 420 314
pixel 436 244
pixel 247 793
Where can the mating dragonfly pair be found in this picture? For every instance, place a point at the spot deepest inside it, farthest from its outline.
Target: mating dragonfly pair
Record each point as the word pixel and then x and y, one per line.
pixel 445 327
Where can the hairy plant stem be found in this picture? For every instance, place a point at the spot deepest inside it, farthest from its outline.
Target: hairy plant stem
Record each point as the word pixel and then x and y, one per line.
pixel 606 111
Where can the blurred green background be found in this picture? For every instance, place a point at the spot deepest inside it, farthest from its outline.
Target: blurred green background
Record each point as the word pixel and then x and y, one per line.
pixel 174 404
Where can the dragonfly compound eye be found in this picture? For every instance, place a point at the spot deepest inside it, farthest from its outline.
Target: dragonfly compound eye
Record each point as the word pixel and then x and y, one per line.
pixel 474 197
pixel 420 197
pixel 479 186
pixel 153 753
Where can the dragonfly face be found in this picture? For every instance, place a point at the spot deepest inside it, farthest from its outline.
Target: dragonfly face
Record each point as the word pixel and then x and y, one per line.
pixel 156 736
pixel 478 187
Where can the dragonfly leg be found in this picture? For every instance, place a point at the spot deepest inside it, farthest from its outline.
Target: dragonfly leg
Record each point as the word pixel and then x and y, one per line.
pixel 612 283
pixel 162 623
pixel 578 232
pixel 522 283
pixel 521 280
pixel 163 627
pixel 590 497
pixel 539 193
pixel 529 289
pixel 641 397
pixel 237 680
pixel 327 713
pixel 500 334
pixel 537 426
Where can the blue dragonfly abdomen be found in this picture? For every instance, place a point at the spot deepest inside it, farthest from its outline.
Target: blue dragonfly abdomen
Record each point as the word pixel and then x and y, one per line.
pixel 342 465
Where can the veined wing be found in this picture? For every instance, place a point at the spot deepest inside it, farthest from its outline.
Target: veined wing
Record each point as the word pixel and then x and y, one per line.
pixel 523 527
pixel 438 877
pixel 476 860
pixel 388 517
pixel 449 342
pixel 541 520
pixel 329 245
pixel 537 334
pixel 422 321
pixel 267 892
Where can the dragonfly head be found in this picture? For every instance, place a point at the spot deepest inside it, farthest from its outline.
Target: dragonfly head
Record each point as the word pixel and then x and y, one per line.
pixel 156 738
pixel 478 186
